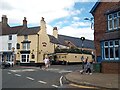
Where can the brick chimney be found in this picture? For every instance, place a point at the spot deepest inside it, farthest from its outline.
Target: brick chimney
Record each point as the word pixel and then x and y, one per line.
pixel 25 22
pixel 55 32
pixel 4 20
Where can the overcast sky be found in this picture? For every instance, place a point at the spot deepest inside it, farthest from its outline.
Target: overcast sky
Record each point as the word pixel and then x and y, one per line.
pixel 67 15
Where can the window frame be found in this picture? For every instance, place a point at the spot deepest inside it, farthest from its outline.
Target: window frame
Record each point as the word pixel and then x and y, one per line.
pixel 109 48
pixel 105 50
pixel 26 46
pixel 27 59
pixel 10 37
pixel 9 46
pixel 112 21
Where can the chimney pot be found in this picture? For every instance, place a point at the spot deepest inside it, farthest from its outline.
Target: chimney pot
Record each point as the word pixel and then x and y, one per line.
pixel 4 16
pixel 4 20
pixel 42 18
pixel 25 22
pixel 54 28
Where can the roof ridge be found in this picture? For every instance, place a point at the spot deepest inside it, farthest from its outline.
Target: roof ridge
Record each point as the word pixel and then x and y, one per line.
pixel 74 37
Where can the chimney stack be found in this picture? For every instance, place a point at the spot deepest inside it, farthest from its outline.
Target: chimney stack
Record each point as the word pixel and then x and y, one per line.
pixel 43 26
pixel 4 20
pixel 25 22
pixel 55 32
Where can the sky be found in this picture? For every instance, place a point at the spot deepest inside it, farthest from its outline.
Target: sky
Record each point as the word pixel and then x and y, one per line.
pixel 67 15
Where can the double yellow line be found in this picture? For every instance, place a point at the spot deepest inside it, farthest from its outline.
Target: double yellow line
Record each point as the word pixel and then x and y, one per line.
pixel 80 86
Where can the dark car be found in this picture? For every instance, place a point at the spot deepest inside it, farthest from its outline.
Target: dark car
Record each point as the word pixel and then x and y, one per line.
pixel 5 65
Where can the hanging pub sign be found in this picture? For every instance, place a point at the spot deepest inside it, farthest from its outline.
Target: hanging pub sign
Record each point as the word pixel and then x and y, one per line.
pixel 44 44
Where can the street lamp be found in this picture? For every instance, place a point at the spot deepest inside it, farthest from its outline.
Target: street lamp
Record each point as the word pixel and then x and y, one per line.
pixel 82 39
pixel 91 20
pixel 82 58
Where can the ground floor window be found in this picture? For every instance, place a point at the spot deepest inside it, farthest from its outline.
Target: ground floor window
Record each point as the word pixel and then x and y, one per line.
pixel 24 58
pixel 9 57
pixel 111 50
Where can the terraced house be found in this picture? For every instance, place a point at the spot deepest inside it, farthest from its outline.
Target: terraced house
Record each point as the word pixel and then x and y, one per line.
pixel 107 35
pixel 33 44
pixel 8 42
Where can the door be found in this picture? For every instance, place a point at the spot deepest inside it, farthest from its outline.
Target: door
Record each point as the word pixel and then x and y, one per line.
pixel 25 58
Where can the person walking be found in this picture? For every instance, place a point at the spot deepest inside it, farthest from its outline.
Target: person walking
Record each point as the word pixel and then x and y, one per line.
pixel 47 62
pixel 88 67
pixel 83 65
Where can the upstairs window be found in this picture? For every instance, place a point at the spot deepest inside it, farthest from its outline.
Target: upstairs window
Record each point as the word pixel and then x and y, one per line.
pixel 10 37
pixel 9 46
pixel 26 46
pixel 114 21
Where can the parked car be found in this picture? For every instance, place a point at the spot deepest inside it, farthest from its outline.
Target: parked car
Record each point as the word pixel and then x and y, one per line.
pixel 5 65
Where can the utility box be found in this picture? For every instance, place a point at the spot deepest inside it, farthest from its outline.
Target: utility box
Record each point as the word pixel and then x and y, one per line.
pixel 97 67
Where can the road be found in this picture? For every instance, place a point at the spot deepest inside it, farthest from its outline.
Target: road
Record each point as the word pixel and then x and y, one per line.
pixel 34 77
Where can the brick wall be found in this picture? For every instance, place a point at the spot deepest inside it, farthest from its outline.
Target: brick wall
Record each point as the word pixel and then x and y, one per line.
pixel 110 67
pixel 100 28
pixel 100 22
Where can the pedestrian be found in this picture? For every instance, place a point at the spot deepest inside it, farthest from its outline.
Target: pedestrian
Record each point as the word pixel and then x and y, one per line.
pixel 82 59
pixel 83 64
pixel 47 62
pixel 88 67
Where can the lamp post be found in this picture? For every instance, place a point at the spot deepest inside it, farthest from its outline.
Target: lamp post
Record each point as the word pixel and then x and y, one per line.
pixel 13 57
pixel 82 39
pixel 91 20
pixel 82 58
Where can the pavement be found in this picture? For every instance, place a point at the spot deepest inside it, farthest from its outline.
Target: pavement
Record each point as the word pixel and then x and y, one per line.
pixel 100 80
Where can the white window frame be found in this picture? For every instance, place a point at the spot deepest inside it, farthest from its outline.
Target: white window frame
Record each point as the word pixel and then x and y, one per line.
pixel 9 46
pixel 26 47
pixel 104 51
pixel 26 58
pixel 113 47
pixel 8 57
pixel 10 37
pixel 109 23
pixel 113 18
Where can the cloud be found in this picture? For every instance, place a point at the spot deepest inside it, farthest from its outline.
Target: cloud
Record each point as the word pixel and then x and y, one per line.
pixel 51 10
pixel 76 18
pixel 5 6
pixel 35 9
pixel 79 24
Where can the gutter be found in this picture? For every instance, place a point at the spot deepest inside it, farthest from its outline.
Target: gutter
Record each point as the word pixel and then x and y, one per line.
pixel 37 47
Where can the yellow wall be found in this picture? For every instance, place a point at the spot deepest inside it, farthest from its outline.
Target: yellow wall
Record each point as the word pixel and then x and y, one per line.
pixel 34 45
pixel 71 57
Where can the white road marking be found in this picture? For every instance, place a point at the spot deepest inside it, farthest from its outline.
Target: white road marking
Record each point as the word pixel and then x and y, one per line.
pixel 18 75
pixel 9 73
pixel 58 70
pixel 64 71
pixel 30 78
pixel 42 82
pixel 55 86
pixel 30 70
pixel 61 84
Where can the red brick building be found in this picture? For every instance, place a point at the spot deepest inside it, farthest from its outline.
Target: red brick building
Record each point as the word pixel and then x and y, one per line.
pixel 107 35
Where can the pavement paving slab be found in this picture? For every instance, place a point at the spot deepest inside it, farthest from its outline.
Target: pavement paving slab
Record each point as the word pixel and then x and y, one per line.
pixel 96 79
